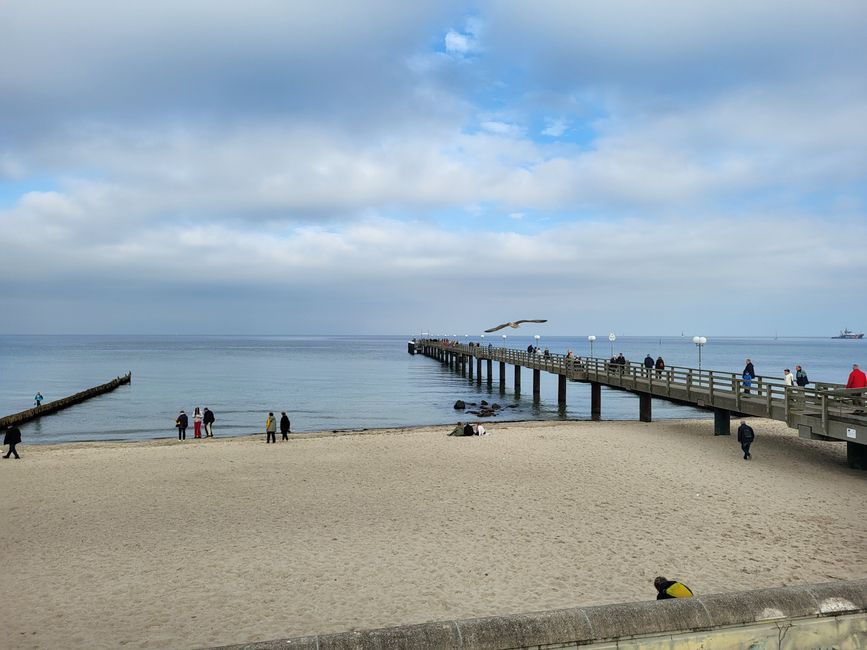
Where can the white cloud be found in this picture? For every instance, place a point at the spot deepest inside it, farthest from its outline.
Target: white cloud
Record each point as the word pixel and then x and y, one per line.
pixel 555 128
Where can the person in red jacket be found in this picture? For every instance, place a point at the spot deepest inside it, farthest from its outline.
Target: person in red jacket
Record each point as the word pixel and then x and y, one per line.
pixel 857 379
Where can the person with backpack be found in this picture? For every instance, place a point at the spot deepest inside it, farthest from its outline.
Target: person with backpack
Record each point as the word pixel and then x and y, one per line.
pixel 746 435
pixel 208 420
pixel 271 429
pixel 801 377
pixel 182 422
pixel 666 588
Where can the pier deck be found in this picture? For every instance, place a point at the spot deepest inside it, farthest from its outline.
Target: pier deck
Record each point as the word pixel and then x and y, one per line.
pixel 822 412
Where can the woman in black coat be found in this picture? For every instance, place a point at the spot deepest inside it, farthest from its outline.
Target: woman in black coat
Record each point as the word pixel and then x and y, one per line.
pixel 12 438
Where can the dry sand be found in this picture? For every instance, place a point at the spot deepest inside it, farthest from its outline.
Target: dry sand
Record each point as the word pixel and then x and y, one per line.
pixel 183 545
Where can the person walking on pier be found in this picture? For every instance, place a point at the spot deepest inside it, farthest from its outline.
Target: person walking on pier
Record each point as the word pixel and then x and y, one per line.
pixel 789 377
pixel 208 420
pixel 801 377
pixel 197 423
pixel 746 435
pixel 271 429
pixel 284 425
pixel 12 438
pixel 648 364
pixel 181 422
pixel 660 366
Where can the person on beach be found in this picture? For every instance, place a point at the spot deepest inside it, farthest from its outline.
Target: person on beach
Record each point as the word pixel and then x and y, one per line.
pixel 208 420
pixel 12 438
pixel 666 588
pixel 181 422
pixel 197 423
pixel 37 399
pixel 468 430
pixel 789 377
pixel 746 435
pixel 801 377
pixel 284 425
pixel 271 429
pixel 458 430
pixel 748 376
pixel 660 366
pixel 480 430
pixel 857 379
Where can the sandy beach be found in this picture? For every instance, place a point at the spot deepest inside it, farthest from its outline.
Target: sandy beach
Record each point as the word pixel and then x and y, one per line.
pixel 184 545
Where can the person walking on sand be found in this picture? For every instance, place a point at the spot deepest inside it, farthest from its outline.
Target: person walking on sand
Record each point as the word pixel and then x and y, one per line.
pixel 12 438
pixel 208 420
pixel 181 422
pixel 666 588
pixel 271 429
pixel 197 423
pixel 748 376
pixel 801 377
pixel 284 425
pixel 746 435
pixel 857 379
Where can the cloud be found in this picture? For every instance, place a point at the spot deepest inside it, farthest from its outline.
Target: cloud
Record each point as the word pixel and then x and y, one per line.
pixel 555 128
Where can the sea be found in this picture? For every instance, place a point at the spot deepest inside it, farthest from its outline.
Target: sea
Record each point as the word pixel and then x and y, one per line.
pixel 338 383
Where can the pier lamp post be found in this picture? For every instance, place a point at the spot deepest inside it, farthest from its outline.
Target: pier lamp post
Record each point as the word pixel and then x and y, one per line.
pixel 504 340
pixel 591 338
pixel 537 337
pixel 483 338
pixel 611 338
pixel 699 343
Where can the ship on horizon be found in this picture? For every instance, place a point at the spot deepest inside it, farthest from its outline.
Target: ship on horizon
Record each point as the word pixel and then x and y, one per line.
pixel 848 334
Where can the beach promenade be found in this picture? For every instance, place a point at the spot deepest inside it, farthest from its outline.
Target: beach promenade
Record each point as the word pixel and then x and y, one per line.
pixel 185 545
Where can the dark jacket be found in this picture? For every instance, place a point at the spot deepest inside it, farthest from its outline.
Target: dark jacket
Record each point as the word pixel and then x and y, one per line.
pixel 182 422
pixel 749 370
pixel 672 589
pixel 660 364
pixel 284 424
pixel 208 417
pixel 12 437
pixel 648 361
pixel 468 429
pixel 801 378
pixel 746 433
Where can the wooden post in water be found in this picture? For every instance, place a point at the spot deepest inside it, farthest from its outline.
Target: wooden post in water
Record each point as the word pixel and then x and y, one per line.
pixel 595 400
pixel 502 376
pixel 479 371
pixel 644 409
pixel 561 390
pixel 537 384
pixel 517 380
pixel 490 372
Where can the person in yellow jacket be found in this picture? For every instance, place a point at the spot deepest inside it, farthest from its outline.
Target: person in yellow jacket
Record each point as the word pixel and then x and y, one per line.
pixel 670 589
pixel 271 429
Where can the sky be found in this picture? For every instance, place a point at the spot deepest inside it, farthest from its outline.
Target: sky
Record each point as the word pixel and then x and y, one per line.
pixel 388 167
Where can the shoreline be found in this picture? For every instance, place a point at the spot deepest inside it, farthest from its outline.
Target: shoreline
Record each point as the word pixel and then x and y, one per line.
pixel 228 540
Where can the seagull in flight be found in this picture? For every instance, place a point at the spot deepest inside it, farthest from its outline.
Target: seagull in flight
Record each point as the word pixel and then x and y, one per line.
pixel 516 324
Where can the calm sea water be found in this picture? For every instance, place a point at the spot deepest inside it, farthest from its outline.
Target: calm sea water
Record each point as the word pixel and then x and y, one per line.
pixel 335 382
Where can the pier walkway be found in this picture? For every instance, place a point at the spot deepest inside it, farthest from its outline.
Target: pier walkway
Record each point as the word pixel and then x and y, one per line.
pixel 820 412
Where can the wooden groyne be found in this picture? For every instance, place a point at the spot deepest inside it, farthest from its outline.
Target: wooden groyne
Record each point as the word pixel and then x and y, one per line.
pixel 60 404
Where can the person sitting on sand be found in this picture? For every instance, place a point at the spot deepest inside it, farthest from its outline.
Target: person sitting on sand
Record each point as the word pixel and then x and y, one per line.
pixel 670 589
pixel 458 430
pixel 468 430
pixel 480 430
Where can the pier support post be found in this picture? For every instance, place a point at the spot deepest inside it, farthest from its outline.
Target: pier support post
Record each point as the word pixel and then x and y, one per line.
pixel 517 380
pixel 478 371
pixel 561 390
pixel 537 384
pixel 502 376
pixel 644 410
pixel 470 368
pixel 490 371
pixel 722 420
pixel 856 455
pixel 595 400
pixel 462 362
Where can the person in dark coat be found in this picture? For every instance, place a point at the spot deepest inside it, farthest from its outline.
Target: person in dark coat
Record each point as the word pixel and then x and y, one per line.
pixel 284 425
pixel 660 366
pixel 468 430
pixel 748 375
pixel 208 420
pixel 666 588
pixel 746 435
pixel 12 438
pixel 181 423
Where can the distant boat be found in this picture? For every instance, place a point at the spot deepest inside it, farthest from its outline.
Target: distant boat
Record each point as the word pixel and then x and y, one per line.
pixel 848 334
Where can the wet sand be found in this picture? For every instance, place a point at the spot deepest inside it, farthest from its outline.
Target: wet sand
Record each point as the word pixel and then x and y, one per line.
pixel 184 545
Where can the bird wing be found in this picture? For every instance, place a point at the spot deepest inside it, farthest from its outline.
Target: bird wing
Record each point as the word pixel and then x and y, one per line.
pixel 498 327
pixel 531 320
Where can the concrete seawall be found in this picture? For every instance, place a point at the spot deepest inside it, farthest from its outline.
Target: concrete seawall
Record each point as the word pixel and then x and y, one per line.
pixel 66 402
pixel 821 616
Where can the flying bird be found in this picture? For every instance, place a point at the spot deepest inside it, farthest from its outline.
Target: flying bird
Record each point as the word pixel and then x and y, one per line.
pixel 516 324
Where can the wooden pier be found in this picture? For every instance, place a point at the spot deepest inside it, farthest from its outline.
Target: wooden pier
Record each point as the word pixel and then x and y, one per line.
pixel 823 412
pixel 57 405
